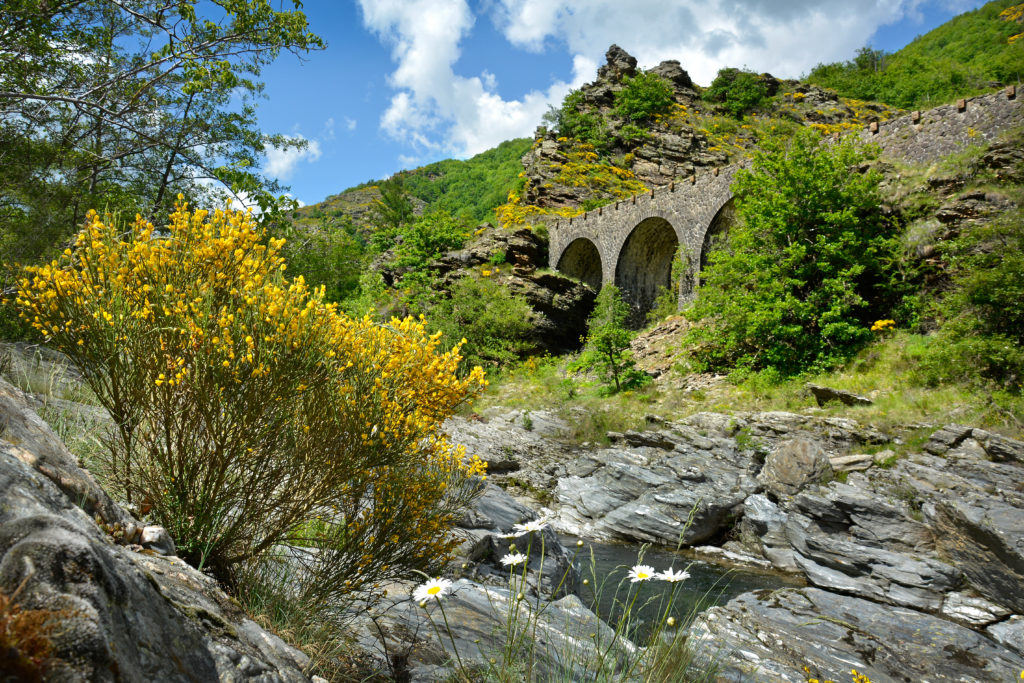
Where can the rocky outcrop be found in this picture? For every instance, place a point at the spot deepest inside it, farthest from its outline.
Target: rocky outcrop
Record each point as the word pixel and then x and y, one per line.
pixel 772 635
pixel 124 611
pixel 661 487
pixel 477 619
pixel 792 465
pixel 930 541
pixel 517 260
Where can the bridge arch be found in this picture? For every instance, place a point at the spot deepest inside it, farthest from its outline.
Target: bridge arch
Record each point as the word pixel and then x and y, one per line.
pixel 582 260
pixel 715 236
pixel 636 238
pixel 645 264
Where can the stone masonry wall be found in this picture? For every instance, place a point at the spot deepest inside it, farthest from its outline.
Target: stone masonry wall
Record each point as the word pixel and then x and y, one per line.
pixel 691 205
pixel 688 205
pixel 927 136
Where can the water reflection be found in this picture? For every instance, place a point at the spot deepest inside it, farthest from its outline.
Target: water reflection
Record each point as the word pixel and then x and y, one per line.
pixel 708 584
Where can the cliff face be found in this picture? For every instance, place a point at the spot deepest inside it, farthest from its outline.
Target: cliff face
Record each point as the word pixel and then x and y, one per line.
pixel 692 134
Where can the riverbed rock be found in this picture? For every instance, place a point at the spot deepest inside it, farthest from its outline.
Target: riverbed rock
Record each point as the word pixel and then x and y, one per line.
pixel 123 615
pixel 792 465
pixel 1009 633
pixel 659 486
pixel 478 618
pixel 832 562
pixel 488 528
pixel 770 636
pixel 985 538
pixel 528 444
pixel 765 521
pixel 37 445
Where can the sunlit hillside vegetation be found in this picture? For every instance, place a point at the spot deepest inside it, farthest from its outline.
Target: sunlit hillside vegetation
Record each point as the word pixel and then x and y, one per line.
pixel 966 55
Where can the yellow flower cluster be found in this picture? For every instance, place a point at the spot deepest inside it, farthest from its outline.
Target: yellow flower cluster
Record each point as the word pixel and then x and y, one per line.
pixel 883 325
pixel 1013 13
pixel 198 324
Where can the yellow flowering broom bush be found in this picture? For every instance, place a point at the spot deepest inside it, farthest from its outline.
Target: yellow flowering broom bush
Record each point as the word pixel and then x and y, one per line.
pixel 251 416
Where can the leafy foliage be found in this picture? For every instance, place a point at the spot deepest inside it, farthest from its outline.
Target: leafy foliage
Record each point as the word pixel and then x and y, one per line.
pixel 249 413
pixel 642 97
pixel 424 240
pixel 495 323
pixel 124 105
pixel 576 119
pixel 736 90
pixel 961 57
pixel 393 209
pixel 982 332
pixel 332 257
pixel 811 264
pixel 607 343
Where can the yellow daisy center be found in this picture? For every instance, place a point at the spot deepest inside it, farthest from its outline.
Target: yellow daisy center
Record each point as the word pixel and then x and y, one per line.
pixel 433 590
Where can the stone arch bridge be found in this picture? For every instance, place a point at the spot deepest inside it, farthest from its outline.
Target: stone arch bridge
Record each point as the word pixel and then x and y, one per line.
pixel 633 242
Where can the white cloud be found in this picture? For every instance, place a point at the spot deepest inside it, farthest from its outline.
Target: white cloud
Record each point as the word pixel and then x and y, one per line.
pixel 281 163
pixel 328 132
pixel 436 109
pixel 350 124
pixel 784 37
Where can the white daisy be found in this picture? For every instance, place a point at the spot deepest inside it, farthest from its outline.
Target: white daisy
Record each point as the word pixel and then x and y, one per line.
pixel 641 572
pixel 672 576
pixel 531 526
pixel 512 559
pixel 434 588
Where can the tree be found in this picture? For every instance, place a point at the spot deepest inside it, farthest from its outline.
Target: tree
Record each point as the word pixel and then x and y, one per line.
pixel 812 261
pixel 125 103
pixel 394 208
pixel 607 341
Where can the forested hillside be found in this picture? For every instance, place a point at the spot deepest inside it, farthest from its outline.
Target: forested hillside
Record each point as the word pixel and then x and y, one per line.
pixel 968 54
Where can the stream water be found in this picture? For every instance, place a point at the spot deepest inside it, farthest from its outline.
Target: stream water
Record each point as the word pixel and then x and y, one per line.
pixel 609 589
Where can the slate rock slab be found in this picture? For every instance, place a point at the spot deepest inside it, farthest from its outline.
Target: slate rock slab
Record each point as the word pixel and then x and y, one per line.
pixel 770 636
pixel 792 465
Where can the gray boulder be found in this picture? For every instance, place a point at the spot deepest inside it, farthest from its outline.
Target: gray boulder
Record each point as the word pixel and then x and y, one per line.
pixel 831 562
pixel 123 615
pixel 792 465
pixel 770 636
pixel 660 486
pixel 487 528
pixel 476 619
pixel 985 538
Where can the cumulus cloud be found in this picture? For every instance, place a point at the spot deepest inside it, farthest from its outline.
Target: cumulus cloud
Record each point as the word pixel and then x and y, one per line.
pixel 281 163
pixel 784 37
pixel 436 109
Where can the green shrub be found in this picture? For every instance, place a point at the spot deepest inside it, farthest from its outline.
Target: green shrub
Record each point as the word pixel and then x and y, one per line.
pixel 643 97
pixel 811 263
pixel 332 256
pixel 576 119
pixel 496 324
pixel 736 91
pixel 426 239
pixel 981 337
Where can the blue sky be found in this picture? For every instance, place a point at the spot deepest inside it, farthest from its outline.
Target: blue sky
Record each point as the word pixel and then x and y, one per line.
pixel 403 83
